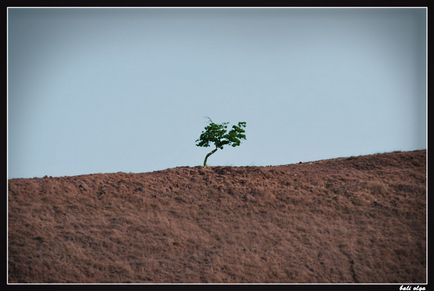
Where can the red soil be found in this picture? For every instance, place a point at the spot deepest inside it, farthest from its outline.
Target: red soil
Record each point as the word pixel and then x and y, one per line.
pixel 357 219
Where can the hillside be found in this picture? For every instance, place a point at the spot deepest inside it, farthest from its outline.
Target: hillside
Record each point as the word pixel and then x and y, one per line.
pixel 356 219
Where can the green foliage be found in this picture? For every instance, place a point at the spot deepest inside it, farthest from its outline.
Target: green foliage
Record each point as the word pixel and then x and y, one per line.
pixel 219 136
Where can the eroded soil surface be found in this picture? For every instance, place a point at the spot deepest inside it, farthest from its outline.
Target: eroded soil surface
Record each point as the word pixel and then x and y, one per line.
pixel 356 219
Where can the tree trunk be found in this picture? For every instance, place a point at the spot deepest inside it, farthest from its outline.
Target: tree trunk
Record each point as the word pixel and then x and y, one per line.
pixel 206 157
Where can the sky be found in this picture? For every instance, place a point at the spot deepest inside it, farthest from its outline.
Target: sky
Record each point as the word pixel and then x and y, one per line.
pixel 130 90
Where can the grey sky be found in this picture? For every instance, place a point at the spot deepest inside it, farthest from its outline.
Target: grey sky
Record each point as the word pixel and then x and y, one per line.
pixel 108 90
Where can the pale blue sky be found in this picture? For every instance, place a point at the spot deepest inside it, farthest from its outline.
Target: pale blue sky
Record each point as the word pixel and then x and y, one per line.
pixel 108 90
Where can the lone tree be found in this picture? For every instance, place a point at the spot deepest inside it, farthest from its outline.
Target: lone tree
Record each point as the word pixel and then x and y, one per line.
pixel 218 135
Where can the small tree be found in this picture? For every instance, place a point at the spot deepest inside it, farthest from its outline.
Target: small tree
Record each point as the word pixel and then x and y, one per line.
pixel 218 135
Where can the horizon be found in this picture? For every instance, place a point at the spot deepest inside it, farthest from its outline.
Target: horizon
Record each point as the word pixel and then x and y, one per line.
pixel 220 166
pixel 128 90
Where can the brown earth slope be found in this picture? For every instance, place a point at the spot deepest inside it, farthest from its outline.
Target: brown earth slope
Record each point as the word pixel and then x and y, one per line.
pixel 357 219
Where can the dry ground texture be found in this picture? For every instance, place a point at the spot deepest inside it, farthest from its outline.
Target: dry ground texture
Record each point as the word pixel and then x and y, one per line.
pixel 356 219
